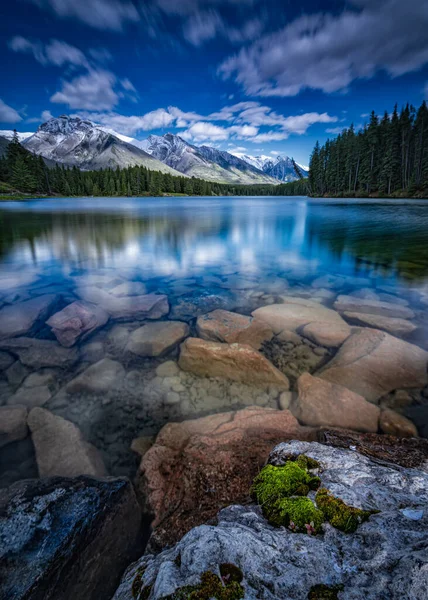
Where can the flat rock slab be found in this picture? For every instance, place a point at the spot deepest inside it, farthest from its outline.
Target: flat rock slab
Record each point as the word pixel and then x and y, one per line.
pixel 386 558
pixel 406 452
pixel 372 363
pixel 296 313
pixel 156 339
pixel 60 447
pixel 66 538
pixel 225 326
pixel 238 362
pixel 220 453
pixel 372 307
pixel 324 334
pixel 21 318
pixel 129 288
pixel 321 403
pixel 38 354
pixel 31 397
pixel 392 325
pixel 148 306
pixel 100 378
pixel 13 424
pixel 76 322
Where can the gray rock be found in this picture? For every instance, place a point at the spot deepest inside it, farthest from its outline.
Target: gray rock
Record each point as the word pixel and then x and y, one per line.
pixel 392 325
pixel 31 397
pixel 99 378
pixel 13 424
pixel 130 288
pixel 23 318
pixel 6 360
pixel 156 339
pixel 60 447
pixel 168 369
pixel 372 307
pixel 76 322
pixel 66 539
pixel 38 354
pixel 16 373
pixel 149 306
pixel 385 559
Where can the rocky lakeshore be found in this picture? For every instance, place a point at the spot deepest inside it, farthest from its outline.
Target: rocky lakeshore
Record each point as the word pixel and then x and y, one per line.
pixel 195 389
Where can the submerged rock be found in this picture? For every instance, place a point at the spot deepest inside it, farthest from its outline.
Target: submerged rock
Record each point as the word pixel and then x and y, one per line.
pixel 392 325
pixel 99 378
pixel 149 306
pixel 129 288
pixel 23 317
pixel 60 447
pixel 386 557
pixel 325 324
pixel 395 424
pixel 373 363
pixel 225 326
pixel 198 466
pixel 76 322
pixel 155 339
pixel 321 403
pixel 13 424
pixel 64 539
pixel 372 307
pixel 38 354
pixel 238 362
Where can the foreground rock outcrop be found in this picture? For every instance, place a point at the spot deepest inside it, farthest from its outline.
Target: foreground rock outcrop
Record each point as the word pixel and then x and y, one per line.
pixel 386 557
pixel 64 539
pixel 199 466
pixel 238 362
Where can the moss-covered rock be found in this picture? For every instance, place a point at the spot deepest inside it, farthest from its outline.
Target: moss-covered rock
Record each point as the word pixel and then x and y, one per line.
pixel 212 587
pixel 324 592
pixel 300 515
pixel 339 514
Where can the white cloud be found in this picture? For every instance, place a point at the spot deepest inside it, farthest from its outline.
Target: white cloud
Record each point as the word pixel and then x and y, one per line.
pixel 101 14
pixel 8 114
pixel 270 136
pixel 93 91
pixel 275 153
pixel 203 131
pixel 56 52
pixel 45 116
pixel 334 130
pixel 244 131
pixel 328 52
pixel 130 125
pixel 206 25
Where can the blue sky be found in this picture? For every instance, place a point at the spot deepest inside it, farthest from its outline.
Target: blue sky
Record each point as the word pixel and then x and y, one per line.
pixel 251 76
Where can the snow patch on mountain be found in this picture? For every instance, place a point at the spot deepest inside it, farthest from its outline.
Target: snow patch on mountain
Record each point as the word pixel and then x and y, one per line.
pixel 22 135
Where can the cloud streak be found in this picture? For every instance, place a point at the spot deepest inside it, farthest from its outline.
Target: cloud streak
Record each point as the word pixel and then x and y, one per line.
pixel 8 114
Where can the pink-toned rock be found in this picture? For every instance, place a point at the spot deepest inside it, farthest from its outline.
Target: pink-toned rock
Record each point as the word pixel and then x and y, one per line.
pixel 296 313
pixel 372 307
pixel 238 362
pixel 392 423
pixel 325 404
pixel 225 326
pixel 324 334
pixel 373 363
pixel 155 339
pixel 76 322
pixel 197 467
pixel 392 325
pixel 149 306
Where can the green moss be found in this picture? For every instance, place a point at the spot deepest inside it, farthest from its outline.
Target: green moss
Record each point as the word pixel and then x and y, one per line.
pixel 307 463
pixel 212 587
pixel 274 483
pixel 324 592
pixel 339 514
pixel 298 514
pixel 137 582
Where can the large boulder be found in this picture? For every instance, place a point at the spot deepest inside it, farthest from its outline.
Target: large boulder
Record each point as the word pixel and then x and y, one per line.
pixel 238 362
pixel 148 306
pixel 100 378
pixel 393 423
pixel 155 339
pixel 60 447
pixel 225 326
pixel 386 557
pixel 39 354
pixel 198 466
pixel 76 322
pixel 63 539
pixel 392 325
pixel 13 424
pixel 24 317
pixel 129 288
pixel 327 326
pixel 373 363
pixel 321 403
pixel 372 307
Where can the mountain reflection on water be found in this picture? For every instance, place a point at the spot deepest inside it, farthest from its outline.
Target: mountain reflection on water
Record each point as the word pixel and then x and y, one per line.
pixel 238 254
pixel 164 236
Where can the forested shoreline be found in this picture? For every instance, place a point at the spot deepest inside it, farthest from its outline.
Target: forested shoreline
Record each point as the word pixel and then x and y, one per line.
pixel 386 158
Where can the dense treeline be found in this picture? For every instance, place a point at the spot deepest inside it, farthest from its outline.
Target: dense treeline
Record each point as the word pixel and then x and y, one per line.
pixel 28 173
pixel 388 157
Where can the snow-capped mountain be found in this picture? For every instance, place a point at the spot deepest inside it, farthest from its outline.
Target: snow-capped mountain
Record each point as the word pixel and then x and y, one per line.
pixel 76 142
pixel 279 167
pixel 8 134
pixel 204 162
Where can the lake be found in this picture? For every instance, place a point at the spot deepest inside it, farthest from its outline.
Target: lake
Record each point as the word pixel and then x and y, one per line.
pixel 236 254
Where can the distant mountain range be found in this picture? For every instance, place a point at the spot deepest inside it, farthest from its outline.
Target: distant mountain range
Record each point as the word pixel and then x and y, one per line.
pixel 76 142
